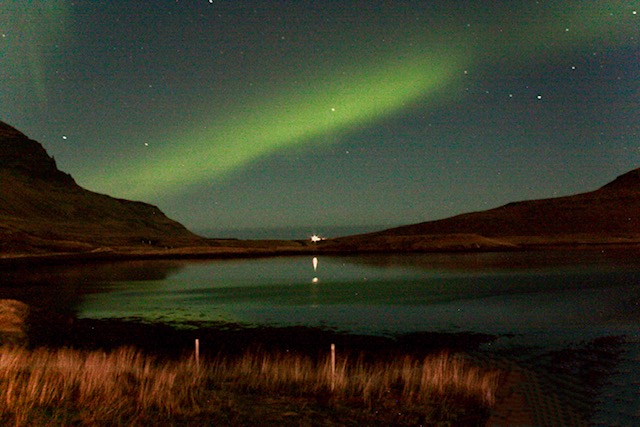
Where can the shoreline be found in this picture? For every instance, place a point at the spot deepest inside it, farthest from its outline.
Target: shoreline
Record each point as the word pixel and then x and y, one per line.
pixel 242 385
pixel 528 392
pixel 277 248
pixel 165 341
pixel 170 340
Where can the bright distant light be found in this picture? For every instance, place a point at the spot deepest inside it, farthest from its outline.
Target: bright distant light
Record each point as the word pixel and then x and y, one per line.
pixel 316 238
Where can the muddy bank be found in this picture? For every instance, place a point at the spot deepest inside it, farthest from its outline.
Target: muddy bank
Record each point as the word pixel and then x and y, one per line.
pixel 55 330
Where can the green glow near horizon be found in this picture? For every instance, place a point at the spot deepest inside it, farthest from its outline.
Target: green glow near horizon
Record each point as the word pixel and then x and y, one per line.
pixel 29 27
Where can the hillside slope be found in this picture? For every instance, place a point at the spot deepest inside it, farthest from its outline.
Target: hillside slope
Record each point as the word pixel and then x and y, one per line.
pixel 614 208
pixel 610 214
pixel 43 209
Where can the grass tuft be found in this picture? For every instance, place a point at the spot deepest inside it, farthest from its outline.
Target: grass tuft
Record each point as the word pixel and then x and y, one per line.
pixel 72 387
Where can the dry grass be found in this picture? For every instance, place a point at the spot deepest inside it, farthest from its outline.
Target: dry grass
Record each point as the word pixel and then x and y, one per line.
pixel 125 387
pixel 66 386
pixel 414 381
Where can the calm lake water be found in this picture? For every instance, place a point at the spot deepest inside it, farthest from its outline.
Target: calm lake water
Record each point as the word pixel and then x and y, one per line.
pixel 541 302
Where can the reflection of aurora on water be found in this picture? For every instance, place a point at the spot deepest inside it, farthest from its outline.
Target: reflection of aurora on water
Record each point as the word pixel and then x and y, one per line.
pixel 537 303
pixel 379 294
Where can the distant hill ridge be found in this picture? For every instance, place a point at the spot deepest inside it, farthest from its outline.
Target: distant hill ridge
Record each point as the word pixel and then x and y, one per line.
pixel 630 181
pixel 612 210
pixel 43 209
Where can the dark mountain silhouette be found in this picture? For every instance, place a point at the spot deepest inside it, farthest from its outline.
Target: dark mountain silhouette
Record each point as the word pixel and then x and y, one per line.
pixel 614 208
pixel 43 209
pixel 610 214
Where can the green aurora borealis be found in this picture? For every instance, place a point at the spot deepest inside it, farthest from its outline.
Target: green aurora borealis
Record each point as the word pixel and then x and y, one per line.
pixel 186 102
pixel 292 117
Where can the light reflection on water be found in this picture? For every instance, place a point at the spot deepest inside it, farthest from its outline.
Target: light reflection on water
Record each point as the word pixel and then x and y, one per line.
pixel 492 293
pixel 545 300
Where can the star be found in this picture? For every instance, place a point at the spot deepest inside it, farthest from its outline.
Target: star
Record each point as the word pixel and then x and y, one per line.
pixel 244 90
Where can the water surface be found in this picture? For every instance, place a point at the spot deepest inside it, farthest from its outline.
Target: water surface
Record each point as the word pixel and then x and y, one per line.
pixel 546 303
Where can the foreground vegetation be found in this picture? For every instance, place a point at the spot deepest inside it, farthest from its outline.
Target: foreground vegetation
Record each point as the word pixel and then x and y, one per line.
pixel 127 387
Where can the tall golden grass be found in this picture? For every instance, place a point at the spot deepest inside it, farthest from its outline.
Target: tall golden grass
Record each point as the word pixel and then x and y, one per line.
pixel 126 387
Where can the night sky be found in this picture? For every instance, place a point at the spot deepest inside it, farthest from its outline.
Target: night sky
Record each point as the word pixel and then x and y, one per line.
pixel 233 114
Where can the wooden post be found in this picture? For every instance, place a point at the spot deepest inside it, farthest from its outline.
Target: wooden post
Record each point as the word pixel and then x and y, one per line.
pixel 197 352
pixel 333 367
